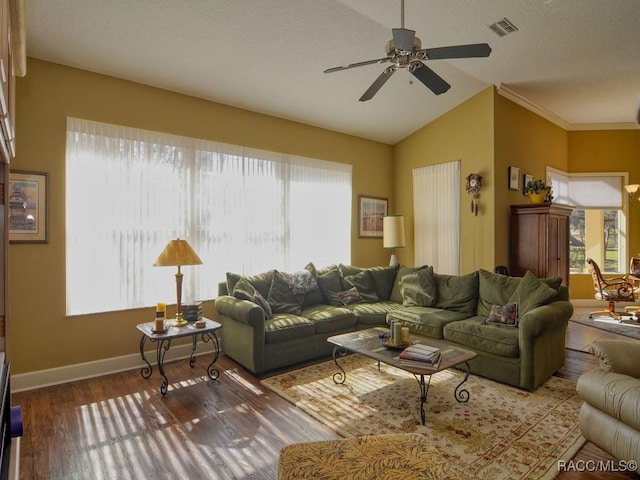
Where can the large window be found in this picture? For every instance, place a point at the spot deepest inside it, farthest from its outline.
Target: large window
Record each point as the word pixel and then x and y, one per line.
pixel 129 191
pixel 598 223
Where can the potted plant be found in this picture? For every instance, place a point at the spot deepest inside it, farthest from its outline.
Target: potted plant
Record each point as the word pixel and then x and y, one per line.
pixel 539 191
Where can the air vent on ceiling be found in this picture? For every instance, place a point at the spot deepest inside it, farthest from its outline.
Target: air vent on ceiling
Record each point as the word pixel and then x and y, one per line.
pixel 503 27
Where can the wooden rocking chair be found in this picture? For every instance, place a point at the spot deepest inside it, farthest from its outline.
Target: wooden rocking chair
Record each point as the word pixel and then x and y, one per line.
pixel 611 290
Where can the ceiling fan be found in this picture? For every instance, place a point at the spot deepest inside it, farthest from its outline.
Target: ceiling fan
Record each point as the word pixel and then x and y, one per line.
pixel 405 51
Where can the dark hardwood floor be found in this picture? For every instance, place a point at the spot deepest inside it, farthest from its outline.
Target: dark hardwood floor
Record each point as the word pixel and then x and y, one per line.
pixel 119 426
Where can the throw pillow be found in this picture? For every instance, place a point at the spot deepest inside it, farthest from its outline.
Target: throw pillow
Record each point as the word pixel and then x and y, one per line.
pixel 350 296
pixel 532 293
pixel 396 291
pixel 314 297
pixel 330 282
pixel 244 290
pixel 262 302
pixel 494 289
pixel 364 284
pixel 419 288
pixel 281 298
pixel 504 315
pixel 301 282
pixel 261 282
pixel 458 292
pixel 382 277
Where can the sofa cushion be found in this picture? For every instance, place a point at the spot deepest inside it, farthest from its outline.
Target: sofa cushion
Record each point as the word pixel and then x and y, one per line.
pixel 382 277
pixel 363 283
pixel 261 282
pixel 427 321
pixel 281 298
pixel 531 293
pixel 330 282
pixel 458 292
pixel 329 319
pixel 371 314
pixel 396 291
pixel 419 288
pixel 285 327
pixel 244 290
pixel 490 338
pixel 494 289
pixel 314 297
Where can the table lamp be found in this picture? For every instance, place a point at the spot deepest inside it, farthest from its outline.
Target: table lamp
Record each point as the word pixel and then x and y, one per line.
pixel 393 235
pixel 178 252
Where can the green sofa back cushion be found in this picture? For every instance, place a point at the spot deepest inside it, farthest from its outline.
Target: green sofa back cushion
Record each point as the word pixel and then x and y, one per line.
pixel 419 288
pixel 382 277
pixel 363 283
pixel 532 293
pixel 458 292
pixel 330 281
pixel 396 291
pixel 281 298
pixel 494 289
pixel 261 282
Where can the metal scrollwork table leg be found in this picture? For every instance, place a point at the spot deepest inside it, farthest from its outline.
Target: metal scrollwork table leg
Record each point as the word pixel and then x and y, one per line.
pixel 341 376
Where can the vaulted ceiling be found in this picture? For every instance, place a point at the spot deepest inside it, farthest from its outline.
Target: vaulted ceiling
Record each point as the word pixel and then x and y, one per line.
pixel 577 62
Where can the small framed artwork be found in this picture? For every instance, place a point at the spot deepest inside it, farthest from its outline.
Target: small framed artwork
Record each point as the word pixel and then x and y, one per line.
pixel 28 207
pixel 371 210
pixel 514 178
pixel 527 179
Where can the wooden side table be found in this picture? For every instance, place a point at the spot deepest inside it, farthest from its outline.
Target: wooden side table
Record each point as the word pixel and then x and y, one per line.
pixel 163 343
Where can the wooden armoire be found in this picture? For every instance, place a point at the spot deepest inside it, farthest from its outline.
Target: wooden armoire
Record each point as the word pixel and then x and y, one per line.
pixel 540 240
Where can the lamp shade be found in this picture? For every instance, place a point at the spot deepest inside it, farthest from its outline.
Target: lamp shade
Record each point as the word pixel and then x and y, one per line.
pixel 177 252
pixel 393 231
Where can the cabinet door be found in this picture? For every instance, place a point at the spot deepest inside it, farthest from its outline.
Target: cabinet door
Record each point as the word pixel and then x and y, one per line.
pixel 558 260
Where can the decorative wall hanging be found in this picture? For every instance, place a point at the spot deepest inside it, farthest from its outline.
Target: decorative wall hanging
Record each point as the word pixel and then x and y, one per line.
pixel 474 182
pixel 28 207
pixel 514 178
pixel 371 210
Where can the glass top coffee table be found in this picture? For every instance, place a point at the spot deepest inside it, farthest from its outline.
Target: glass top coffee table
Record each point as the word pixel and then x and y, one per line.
pixel 370 344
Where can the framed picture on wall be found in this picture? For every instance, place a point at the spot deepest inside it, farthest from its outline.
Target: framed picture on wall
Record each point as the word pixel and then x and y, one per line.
pixel 514 178
pixel 371 210
pixel 28 207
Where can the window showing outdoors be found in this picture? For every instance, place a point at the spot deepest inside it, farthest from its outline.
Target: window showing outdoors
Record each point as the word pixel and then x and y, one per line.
pixel 596 234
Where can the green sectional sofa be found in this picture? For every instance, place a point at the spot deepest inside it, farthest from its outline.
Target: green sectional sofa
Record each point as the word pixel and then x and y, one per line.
pixel 517 326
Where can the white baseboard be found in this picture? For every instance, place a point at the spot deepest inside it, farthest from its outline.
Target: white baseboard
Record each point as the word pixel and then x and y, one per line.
pixel 96 368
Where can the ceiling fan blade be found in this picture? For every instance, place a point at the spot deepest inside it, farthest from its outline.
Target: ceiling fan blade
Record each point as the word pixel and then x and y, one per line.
pixel 429 78
pixel 403 39
pixel 357 64
pixel 378 83
pixel 458 51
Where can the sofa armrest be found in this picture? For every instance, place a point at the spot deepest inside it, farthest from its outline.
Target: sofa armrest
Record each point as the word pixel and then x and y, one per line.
pixel 618 356
pixel 241 310
pixel 545 318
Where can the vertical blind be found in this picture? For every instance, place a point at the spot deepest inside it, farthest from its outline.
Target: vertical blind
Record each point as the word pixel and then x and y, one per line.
pixel 130 191
pixel 436 210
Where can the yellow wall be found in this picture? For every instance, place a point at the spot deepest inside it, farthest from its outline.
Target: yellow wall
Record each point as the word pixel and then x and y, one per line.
pixel 606 151
pixel 466 134
pixel 39 334
pixel 530 143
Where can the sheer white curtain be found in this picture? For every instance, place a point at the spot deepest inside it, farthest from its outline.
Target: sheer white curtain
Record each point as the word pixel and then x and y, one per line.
pixel 436 210
pixel 129 191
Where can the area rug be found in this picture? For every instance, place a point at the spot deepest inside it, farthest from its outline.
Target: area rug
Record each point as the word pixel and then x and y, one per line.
pixel 626 326
pixel 501 433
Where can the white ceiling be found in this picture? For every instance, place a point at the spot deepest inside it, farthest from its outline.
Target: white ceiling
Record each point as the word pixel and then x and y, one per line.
pixel 577 60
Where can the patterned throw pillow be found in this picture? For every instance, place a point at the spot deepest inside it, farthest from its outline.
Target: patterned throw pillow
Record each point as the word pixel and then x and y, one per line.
pixel 301 282
pixel 506 315
pixel 350 296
